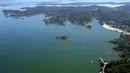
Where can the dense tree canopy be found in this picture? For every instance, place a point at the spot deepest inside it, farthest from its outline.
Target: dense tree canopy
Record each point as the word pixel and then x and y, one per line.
pixel 123 46
pixel 121 15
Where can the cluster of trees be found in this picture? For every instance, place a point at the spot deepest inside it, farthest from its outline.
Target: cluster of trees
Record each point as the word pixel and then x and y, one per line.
pixel 122 17
pixel 78 14
pixel 61 17
pixel 123 47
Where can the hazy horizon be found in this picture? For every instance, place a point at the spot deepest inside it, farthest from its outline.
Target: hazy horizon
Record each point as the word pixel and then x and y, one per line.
pixel 8 1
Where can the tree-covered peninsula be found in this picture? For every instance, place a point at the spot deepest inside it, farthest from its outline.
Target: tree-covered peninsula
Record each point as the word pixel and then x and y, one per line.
pixel 123 47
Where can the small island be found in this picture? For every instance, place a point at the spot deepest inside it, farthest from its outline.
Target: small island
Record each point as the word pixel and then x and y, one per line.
pixel 63 38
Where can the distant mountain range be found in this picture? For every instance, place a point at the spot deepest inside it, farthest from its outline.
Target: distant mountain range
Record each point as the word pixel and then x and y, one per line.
pixel 80 3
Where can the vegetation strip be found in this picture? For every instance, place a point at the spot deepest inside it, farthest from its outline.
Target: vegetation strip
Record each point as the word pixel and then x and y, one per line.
pixel 123 47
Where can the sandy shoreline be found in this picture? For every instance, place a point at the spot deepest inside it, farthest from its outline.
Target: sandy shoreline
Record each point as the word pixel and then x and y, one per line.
pixel 114 29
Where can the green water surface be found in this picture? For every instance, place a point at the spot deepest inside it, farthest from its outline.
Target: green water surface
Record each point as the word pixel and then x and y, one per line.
pixel 30 46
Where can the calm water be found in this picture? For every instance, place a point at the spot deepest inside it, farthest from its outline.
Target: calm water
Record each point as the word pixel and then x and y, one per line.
pixel 29 46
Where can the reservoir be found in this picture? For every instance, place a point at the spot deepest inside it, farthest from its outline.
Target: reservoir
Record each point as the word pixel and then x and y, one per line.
pixel 30 46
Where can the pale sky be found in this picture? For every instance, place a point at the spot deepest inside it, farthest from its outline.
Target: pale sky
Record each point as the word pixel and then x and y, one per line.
pixel 77 0
pixel 68 0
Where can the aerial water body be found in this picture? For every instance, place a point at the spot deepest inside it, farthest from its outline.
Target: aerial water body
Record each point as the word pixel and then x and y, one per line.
pixel 30 46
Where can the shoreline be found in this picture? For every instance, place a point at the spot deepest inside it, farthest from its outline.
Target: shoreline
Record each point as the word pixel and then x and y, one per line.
pixel 114 29
pixel 106 68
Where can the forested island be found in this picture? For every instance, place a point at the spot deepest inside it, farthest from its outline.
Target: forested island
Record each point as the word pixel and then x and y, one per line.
pixel 118 17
